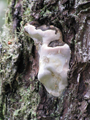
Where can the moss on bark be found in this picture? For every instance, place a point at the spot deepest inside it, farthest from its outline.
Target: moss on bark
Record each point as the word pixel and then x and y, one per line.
pixel 22 96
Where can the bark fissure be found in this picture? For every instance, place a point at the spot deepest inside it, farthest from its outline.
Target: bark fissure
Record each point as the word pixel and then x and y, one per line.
pixel 22 96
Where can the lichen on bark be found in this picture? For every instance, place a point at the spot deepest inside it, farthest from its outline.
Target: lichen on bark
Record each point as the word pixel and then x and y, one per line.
pixel 22 96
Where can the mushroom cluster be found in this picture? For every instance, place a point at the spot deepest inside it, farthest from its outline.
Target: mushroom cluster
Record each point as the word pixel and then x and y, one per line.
pixel 53 59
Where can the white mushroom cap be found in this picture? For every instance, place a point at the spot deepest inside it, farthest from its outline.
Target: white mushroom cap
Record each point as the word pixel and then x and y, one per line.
pixel 45 36
pixel 53 61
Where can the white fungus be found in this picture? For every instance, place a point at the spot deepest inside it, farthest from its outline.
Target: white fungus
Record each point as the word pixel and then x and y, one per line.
pixel 53 61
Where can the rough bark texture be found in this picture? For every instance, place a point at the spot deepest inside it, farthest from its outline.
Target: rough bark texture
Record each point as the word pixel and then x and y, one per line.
pixel 22 96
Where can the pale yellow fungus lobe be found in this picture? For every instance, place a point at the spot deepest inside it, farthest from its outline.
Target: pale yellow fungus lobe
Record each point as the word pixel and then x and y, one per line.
pixel 53 61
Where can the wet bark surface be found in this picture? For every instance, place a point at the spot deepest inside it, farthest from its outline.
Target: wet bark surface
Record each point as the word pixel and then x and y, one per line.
pixel 72 17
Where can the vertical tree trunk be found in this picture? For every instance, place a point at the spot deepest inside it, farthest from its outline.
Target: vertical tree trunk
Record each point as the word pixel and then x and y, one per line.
pixel 22 96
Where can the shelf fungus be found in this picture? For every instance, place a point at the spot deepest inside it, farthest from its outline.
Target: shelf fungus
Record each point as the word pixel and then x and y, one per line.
pixel 54 57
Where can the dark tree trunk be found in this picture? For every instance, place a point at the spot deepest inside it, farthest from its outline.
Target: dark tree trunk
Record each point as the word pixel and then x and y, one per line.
pixel 22 96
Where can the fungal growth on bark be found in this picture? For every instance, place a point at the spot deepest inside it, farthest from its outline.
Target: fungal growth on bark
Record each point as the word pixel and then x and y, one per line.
pixel 54 57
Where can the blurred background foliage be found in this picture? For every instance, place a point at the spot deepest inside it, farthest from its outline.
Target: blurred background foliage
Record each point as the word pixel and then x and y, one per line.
pixel 3 6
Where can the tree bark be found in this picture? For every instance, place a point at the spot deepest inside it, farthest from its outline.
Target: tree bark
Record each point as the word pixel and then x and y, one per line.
pixel 22 96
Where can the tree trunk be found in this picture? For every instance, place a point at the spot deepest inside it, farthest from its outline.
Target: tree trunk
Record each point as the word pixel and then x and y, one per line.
pixel 22 96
